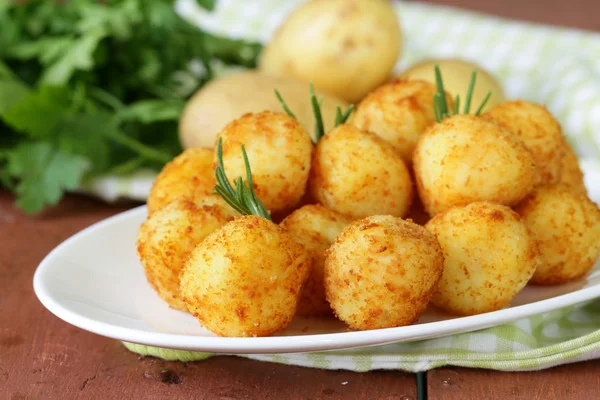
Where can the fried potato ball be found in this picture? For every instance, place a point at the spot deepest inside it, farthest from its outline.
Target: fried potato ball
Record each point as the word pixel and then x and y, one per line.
pixel 189 175
pixel 398 112
pixel 570 173
pixel 279 151
pixel 465 159
pixel 358 174
pixel 567 227
pixel 217 201
pixel 246 278
pixel 539 131
pixel 381 272
pixel 166 239
pixel 489 254
pixel 316 228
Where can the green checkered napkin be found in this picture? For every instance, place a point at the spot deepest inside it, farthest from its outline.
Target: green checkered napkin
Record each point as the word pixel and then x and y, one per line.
pixel 556 67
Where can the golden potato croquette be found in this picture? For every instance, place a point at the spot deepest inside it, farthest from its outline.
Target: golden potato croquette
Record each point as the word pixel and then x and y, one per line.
pixel 358 174
pixel 189 175
pixel 246 278
pixel 316 228
pixel 166 239
pixel 567 227
pixel 570 173
pixel 381 272
pixel 279 151
pixel 399 112
pixel 217 201
pixel 539 131
pixel 489 253
pixel 464 159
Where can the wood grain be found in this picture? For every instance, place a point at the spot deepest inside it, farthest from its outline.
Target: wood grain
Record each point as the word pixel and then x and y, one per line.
pixel 42 357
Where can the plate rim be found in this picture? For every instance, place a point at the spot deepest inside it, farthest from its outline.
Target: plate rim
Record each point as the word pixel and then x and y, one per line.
pixel 285 344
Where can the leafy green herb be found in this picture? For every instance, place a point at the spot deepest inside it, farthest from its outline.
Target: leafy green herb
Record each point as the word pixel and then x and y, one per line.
pixel 100 86
pixel 440 104
pixel 243 199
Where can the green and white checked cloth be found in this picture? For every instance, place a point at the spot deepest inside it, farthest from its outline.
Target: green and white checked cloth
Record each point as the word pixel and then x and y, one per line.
pixel 556 67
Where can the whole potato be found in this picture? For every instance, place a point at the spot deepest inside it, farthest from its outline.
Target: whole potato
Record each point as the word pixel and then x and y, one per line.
pixel 189 175
pixel 457 76
pixel 359 174
pixel 567 227
pixel 316 228
pixel 224 99
pixel 539 131
pixel 345 47
pixel 570 173
pixel 381 272
pixel 246 278
pixel 166 239
pixel 465 159
pixel 398 112
pixel 279 151
pixel 489 254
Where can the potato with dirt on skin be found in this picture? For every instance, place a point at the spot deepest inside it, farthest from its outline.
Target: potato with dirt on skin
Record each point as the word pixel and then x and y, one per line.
pixel 219 102
pixel 539 131
pixel 345 47
pixel 381 272
pixel 398 112
pixel 489 254
pixel 190 175
pixel 465 159
pixel 246 278
pixel 567 227
pixel 570 172
pixel 359 174
pixel 316 228
pixel 279 151
pixel 166 239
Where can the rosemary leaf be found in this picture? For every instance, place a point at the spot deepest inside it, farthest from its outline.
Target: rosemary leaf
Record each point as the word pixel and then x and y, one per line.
pixel 483 103
pixel 284 105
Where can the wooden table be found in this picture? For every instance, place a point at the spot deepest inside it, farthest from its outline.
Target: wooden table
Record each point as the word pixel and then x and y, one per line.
pixel 42 357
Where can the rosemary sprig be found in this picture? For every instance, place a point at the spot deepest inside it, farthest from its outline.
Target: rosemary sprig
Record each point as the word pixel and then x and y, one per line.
pixel 440 104
pixel 242 198
pixel 340 117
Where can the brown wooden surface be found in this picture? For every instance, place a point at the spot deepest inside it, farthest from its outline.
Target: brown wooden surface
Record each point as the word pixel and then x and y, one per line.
pixel 42 357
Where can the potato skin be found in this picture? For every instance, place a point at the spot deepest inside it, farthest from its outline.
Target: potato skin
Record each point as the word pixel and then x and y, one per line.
pixel 359 174
pixel 246 278
pixel 316 228
pixel 465 159
pixel 219 102
pixel 189 175
pixel 489 253
pixel 350 48
pixel 166 239
pixel 567 227
pixel 279 151
pixel 570 173
pixel 539 131
pixel 398 112
pixel 381 272
pixel 457 75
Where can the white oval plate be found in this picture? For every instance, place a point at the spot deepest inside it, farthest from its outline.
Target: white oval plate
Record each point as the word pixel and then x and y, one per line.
pixel 94 281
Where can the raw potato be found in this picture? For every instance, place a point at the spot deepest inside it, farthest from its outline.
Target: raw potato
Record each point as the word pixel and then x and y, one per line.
pixel 381 272
pixel 539 131
pixel 489 257
pixel 570 173
pixel 224 99
pixel 190 175
pixel 166 239
pixel 359 174
pixel 279 151
pixel 246 278
pixel 457 75
pixel 345 47
pixel 398 112
pixel 567 226
pixel 465 159
pixel 316 228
